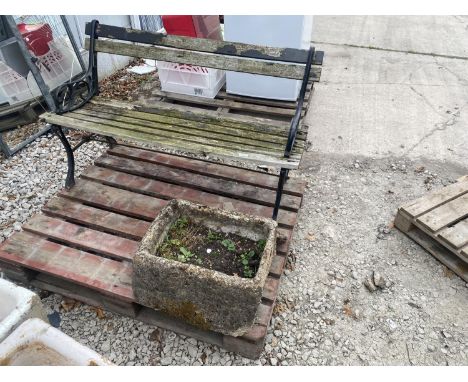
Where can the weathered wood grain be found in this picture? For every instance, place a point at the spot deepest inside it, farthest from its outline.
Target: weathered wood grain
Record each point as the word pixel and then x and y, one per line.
pixel 201 44
pixel 150 105
pixel 177 143
pixel 95 218
pixel 230 188
pixel 115 199
pixel 187 127
pixel 81 237
pixel 294 186
pixel 445 214
pixel 435 199
pixel 235 64
pixel 231 104
pixel 108 276
pixel 140 187
pixel 456 236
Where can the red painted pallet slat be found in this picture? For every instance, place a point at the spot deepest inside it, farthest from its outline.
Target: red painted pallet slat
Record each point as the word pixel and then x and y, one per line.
pixel 115 199
pixel 108 276
pixel 293 186
pixel 96 218
pixel 86 191
pixel 82 237
pixel 230 188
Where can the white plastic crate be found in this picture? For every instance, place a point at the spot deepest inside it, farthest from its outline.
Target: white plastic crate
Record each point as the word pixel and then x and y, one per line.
pixel 35 343
pixel 13 84
pixel 17 305
pixel 190 79
pixel 57 65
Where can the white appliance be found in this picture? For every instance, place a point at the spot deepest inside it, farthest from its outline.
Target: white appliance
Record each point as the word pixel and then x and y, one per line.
pixel 274 31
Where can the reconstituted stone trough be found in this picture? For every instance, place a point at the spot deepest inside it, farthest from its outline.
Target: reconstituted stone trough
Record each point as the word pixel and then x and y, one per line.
pixel 205 298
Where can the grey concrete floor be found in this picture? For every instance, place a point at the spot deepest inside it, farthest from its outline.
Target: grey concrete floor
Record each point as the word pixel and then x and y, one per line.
pixel 392 86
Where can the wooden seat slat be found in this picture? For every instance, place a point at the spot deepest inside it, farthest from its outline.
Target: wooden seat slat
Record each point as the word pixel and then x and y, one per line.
pixel 237 121
pixel 251 136
pixel 177 141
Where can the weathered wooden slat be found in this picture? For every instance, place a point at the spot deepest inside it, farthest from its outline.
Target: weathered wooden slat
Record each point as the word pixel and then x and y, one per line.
pixel 159 133
pixel 85 295
pixel 293 186
pixel 229 122
pixel 445 214
pixel 235 105
pixel 140 187
pixel 191 128
pixel 270 290
pixel 95 218
pixel 277 265
pixel 17 272
pixel 115 199
pixel 464 252
pixel 81 237
pixel 257 101
pixel 435 199
pixel 108 276
pixel 456 236
pixel 445 256
pixel 235 64
pixel 237 121
pixel 73 123
pixel 236 49
pixel 265 309
pixel 187 179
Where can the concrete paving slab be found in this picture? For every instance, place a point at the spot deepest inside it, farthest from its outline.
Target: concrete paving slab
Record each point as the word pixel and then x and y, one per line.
pixel 383 103
pixel 442 35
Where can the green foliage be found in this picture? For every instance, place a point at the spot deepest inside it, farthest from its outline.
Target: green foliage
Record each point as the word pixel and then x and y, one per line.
pixel 229 244
pixel 214 236
pixel 261 245
pixel 245 259
pixel 185 255
pixel 181 223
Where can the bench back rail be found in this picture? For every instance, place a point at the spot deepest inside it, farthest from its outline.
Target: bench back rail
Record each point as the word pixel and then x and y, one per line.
pixel 237 57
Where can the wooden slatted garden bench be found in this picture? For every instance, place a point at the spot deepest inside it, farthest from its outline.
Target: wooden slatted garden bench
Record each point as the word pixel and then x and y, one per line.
pixel 257 140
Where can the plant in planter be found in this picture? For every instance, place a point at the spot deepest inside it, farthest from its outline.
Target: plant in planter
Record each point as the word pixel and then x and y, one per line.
pixel 206 266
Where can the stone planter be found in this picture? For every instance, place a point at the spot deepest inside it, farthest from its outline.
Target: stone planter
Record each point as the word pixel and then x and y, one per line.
pixel 205 298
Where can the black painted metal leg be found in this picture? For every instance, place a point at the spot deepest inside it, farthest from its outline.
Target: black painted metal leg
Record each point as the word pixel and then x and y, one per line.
pixel 279 191
pixel 70 181
pixel 111 141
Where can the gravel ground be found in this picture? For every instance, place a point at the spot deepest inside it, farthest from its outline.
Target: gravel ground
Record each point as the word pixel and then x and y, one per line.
pixel 324 315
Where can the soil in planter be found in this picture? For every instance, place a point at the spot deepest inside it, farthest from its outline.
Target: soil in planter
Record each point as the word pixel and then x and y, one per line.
pixel 193 243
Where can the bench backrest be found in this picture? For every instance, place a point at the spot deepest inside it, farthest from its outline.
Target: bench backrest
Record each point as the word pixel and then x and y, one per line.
pixel 232 56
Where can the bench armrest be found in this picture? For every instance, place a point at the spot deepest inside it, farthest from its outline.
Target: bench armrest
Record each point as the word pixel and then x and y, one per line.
pixel 74 94
pixel 297 116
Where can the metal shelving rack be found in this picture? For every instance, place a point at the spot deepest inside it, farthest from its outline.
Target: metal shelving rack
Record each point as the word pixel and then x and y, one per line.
pixel 9 34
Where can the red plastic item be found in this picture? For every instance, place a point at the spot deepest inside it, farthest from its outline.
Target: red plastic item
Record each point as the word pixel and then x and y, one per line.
pixel 193 26
pixel 179 25
pixel 37 37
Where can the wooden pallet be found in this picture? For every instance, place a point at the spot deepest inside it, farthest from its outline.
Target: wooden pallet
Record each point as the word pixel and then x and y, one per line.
pixel 83 242
pixel 231 104
pixel 439 223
